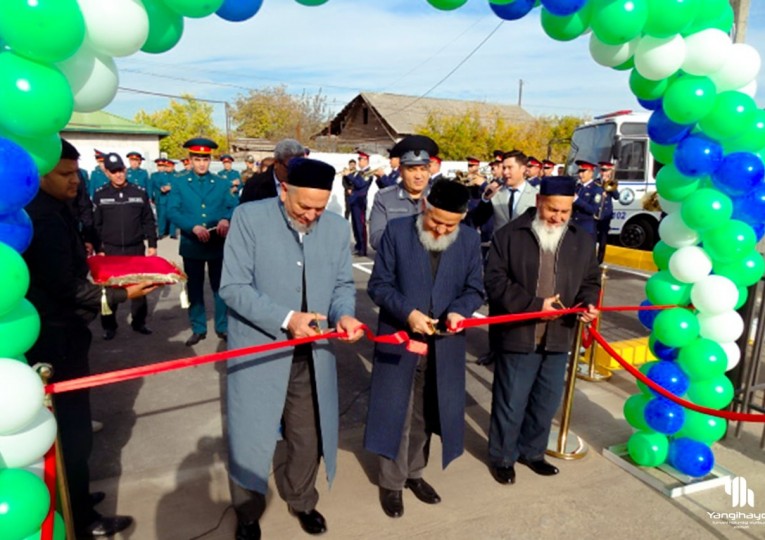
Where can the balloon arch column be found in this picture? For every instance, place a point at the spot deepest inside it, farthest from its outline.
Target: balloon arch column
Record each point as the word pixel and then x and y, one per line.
pixel 56 57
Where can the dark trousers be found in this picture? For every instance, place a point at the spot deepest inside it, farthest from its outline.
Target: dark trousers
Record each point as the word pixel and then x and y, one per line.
pixel 526 393
pixel 139 308
pixel 414 449
pixel 602 230
pixel 296 460
pixel 195 270
pixel 359 224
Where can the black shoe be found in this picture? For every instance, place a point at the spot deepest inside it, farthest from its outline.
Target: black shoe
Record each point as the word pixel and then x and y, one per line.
pixel 312 522
pixel 222 335
pixel 109 525
pixel 247 531
pixel 423 491
pixel 142 330
pixel 109 335
pixel 503 475
pixel 485 360
pixel 540 466
pixel 391 502
pixel 97 497
pixel 194 339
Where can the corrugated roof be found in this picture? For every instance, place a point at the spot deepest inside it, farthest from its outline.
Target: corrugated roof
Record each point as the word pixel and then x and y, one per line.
pixel 104 122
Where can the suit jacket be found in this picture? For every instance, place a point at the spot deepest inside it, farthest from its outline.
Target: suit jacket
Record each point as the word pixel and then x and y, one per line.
pixel 260 186
pixel 401 282
pixel 499 207
pixel 262 281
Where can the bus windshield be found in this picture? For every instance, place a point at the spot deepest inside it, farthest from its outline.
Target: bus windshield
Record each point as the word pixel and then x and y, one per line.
pixel 591 143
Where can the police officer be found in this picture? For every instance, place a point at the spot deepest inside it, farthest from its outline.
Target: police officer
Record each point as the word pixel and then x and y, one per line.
pixel 357 200
pixel 230 174
pixel 533 171
pixel 392 178
pixel 606 211
pixel 124 221
pixel 435 169
pixel 98 176
pixel 135 174
pixel 587 200
pixel 201 204
pixel 414 153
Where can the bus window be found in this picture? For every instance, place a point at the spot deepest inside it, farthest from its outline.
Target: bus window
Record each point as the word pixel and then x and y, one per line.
pixel 591 143
pixel 631 160
pixel 634 128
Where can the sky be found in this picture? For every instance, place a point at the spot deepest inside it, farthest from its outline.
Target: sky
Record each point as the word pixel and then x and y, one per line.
pixel 401 46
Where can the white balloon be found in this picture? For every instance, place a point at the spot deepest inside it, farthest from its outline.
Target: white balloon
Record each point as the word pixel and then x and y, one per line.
pixel 721 327
pixel 93 78
pixel 115 27
pixel 750 89
pixel 30 443
pixel 714 294
pixel 659 58
pixel 706 51
pixel 21 395
pixel 690 264
pixel 611 55
pixel 37 468
pixel 733 352
pixel 669 207
pixel 676 233
pixel 741 67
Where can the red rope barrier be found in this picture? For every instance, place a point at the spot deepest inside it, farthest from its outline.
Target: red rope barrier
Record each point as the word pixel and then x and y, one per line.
pixel 49 475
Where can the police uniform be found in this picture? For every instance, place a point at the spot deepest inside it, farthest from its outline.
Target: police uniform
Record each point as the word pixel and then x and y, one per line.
pixel 231 175
pixel 201 201
pixel 97 177
pixel 360 183
pixel 388 180
pixel 138 176
pixel 124 221
pixel 534 162
pixel 587 202
pixel 606 214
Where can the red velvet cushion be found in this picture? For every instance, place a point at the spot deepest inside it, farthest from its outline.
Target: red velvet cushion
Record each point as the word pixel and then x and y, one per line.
pixel 121 270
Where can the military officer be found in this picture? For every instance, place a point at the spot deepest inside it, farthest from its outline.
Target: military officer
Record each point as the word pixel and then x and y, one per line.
pixel 249 168
pixel 201 204
pixel 97 177
pixel 606 211
pixel 230 174
pixel 435 169
pixel 161 185
pixel 124 221
pixel 547 168
pixel 392 178
pixel 588 198
pixel 533 171
pixel 135 174
pixel 357 200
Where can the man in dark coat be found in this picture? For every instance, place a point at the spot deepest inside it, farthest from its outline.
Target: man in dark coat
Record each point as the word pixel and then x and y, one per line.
pixel 266 184
pixel 426 278
pixel 67 302
pixel 360 182
pixel 587 201
pixel 538 262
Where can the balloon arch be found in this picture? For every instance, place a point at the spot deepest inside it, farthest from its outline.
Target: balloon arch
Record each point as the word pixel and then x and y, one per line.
pixel 56 57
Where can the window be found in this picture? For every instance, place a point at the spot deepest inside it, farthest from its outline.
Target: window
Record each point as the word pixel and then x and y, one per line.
pixel 365 114
pixel 631 164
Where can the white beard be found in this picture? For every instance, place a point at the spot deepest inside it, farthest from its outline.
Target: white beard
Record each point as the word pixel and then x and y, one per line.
pixel 432 244
pixel 299 227
pixel 549 237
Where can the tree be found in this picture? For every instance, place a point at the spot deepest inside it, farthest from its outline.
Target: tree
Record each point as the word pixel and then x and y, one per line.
pixel 184 120
pixel 271 113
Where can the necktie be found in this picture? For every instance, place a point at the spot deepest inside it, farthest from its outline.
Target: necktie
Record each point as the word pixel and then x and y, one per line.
pixel 511 204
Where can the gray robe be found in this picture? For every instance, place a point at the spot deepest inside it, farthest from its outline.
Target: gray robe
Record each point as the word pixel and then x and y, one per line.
pixel 262 281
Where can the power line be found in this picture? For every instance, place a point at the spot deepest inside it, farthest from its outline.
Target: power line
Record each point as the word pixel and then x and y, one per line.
pixel 160 94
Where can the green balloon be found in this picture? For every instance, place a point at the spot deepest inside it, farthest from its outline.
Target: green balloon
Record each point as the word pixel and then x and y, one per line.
pixel 674 185
pixel 568 27
pixel 633 411
pixel 24 503
pixel 669 17
pixel 648 449
pixel 752 138
pixel 689 99
pixel 644 369
pixel 196 9
pixel 37 100
pixel 711 14
pixel 732 112
pixel 676 327
pixel 744 272
pixel 165 27
pixel 647 89
pixel 316 2
pixel 662 289
pixel 663 153
pixel 44 150
pixel 59 529
pixel 44 30
pixel 702 427
pixel 447 5
pixel 661 254
pixel 15 275
pixel 743 296
pixel 729 241
pixel 19 329
pixel 702 359
pixel 626 66
pixel 706 209
pixel 618 21
pixel 714 393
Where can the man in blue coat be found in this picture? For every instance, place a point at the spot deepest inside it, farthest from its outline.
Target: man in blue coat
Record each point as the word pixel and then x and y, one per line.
pixel 286 268
pixel 135 174
pixel 200 205
pixel 588 199
pixel 359 183
pixel 426 278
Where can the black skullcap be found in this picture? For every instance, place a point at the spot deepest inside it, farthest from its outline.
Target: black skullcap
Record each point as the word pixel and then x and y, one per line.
pixel 68 151
pixel 113 163
pixel 558 185
pixel 310 173
pixel 449 196
pixel 415 150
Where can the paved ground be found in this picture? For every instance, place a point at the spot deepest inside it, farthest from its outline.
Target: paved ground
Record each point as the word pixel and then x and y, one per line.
pixel 161 456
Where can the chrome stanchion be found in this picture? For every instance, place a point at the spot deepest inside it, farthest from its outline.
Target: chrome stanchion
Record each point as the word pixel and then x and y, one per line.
pixel 589 370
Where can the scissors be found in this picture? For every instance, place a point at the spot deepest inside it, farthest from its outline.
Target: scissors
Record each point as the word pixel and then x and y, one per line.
pixel 557 304
pixel 316 323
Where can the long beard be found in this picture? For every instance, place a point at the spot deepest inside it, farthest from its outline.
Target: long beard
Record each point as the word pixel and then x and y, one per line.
pixel 549 237
pixel 299 227
pixel 432 244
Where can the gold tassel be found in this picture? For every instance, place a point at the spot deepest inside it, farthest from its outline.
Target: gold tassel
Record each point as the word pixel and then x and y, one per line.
pixel 185 304
pixel 105 309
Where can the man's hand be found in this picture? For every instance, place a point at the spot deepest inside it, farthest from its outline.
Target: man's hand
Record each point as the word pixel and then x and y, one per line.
pixel 491 190
pixel 451 322
pixel 222 228
pixel 352 327
pixel 101 254
pixel 551 304
pixel 299 325
pixel 164 189
pixel 89 250
pixel 151 252
pixel 590 315
pixel 140 289
pixel 202 234
pixel 421 323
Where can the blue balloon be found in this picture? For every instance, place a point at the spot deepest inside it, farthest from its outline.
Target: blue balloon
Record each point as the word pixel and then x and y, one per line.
pixel 662 130
pixel 739 174
pixel 19 180
pixel 512 12
pixel 651 104
pixel 670 376
pixel 664 416
pixel 663 352
pixel 16 230
pixel 750 208
pixel 563 8
pixel 239 10
pixel 691 457
pixel 698 155
pixel 647 317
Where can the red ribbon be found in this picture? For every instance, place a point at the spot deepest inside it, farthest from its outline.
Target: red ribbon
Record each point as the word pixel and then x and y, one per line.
pixel 49 475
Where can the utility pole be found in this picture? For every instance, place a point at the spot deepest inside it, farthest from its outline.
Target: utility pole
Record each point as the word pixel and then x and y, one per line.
pixel 520 92
pixel 741 19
